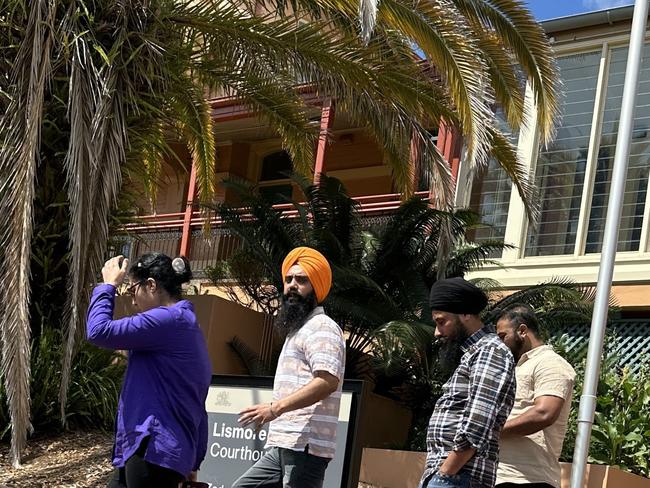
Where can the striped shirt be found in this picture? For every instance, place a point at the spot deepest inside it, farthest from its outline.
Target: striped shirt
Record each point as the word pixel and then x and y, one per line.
pixel 474 405
pixel 318 346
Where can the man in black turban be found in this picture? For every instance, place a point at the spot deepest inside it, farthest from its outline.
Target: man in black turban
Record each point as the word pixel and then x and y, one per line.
pixel 455 305
pixel 463 434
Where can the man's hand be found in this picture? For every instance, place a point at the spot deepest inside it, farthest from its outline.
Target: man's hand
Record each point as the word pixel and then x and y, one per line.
pixel 114 270
pixel 260 414
pixel 455 461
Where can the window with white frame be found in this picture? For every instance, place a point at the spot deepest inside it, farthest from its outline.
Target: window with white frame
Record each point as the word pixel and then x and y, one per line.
pixel 560 168
pixel 573 173
pixel 636 185
pixel 490 194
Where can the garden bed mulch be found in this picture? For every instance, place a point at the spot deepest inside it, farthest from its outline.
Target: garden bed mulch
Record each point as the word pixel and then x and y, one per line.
pixel 79 459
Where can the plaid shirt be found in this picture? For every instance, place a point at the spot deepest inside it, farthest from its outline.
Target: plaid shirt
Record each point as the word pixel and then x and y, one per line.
pixel 474 405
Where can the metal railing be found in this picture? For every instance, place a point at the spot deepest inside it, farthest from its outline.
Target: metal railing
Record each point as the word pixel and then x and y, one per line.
pixel 164 232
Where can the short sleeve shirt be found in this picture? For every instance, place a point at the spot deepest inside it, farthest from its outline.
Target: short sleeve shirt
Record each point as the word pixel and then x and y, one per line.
pixel 318 346
pixel 534 458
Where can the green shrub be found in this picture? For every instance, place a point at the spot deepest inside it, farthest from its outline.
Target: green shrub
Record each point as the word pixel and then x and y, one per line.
pixel 622 423
pixel 94 387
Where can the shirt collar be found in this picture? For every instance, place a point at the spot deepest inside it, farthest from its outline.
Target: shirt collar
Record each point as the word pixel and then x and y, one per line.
pixel 533 352
pixel 317 311
pixel 473 339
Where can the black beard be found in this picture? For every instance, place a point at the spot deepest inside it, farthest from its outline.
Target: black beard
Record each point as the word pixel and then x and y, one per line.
pixel 293 313
pixel 517 348
pixel 450 353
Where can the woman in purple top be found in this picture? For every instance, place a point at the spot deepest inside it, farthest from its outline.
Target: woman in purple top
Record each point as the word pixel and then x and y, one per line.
pixel 161 425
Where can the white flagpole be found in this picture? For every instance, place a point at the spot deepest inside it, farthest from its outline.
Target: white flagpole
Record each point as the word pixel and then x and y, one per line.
pixel 610 241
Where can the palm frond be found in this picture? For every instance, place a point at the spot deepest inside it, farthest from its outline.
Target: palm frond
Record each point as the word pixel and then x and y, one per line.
pixel 367 17
pixel 506 154
pixel 525 38
pixel 21 129
pixel 448 46
pixel 80 168
pixel 472 256
pixel 110 142
pixel 402 343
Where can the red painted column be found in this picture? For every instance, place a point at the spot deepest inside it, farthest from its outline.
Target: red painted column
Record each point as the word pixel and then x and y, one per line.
pixel 326 124
pixel 189 208
pixel 415 155
pixel 450 146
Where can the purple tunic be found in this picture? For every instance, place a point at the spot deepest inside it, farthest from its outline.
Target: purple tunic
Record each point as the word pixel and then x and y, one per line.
pixel 166 381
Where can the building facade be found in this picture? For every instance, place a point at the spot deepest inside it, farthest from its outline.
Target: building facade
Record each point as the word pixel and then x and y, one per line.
pixel 573 173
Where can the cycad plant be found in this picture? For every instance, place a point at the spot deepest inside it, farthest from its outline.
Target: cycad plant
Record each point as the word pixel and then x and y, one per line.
pixel 119 79
pixel 559 303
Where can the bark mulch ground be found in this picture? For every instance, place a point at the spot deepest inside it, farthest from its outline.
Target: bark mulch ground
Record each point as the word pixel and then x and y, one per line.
pixel 68 460
pixel 78 459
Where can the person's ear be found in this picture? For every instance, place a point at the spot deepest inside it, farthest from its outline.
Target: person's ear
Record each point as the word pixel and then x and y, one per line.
pixel 153 286
pixel 522 330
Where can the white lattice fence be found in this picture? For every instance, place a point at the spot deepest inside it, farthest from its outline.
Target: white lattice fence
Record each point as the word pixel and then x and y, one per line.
pixel 628 340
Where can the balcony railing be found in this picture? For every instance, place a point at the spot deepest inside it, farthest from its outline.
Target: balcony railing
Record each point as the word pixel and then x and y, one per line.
pixel 164 232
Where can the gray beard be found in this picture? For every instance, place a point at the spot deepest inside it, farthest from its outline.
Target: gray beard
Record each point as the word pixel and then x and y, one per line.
pixel 293 313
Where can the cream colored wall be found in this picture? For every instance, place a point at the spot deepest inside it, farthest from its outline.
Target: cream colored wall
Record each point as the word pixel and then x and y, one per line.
pixel 352 149
pixel 629 297
pixel 173 191
pixel 371 185
pixel 357 160
pixel 233 160
pixel 384 422
pixel 221 320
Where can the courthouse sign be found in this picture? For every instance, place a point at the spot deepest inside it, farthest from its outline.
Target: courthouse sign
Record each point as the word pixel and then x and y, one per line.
pixel 232 449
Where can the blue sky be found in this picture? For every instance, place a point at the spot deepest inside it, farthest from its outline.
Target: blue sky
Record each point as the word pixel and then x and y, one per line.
pixel 549 9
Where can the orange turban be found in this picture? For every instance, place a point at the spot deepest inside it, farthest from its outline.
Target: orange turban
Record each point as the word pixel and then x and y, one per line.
pixel 315 265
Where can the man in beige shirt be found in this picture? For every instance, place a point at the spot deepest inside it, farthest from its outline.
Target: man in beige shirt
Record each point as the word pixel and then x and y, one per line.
pixel 532 437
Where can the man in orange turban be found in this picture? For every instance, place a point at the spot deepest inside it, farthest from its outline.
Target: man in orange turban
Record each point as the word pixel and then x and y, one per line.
pixel 307 382
pixel 314 265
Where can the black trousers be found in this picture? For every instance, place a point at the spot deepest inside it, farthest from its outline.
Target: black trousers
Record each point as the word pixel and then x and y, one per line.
pixel 523 485
pixel 138 473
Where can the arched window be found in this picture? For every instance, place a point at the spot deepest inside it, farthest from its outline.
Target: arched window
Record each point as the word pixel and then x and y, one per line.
pixel 274 180
pixel 276 166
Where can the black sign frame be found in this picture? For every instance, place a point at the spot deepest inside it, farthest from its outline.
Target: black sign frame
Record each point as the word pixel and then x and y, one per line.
pixel 352 457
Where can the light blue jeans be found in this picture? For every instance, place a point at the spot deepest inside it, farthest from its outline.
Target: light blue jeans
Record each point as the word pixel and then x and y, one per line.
pixel 460 480
pixel 284 468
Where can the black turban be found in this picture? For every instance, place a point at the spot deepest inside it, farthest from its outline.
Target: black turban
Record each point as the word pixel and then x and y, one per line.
pixel 455 295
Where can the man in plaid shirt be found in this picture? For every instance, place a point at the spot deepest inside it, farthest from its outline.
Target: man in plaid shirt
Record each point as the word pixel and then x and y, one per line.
pixel 463 434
